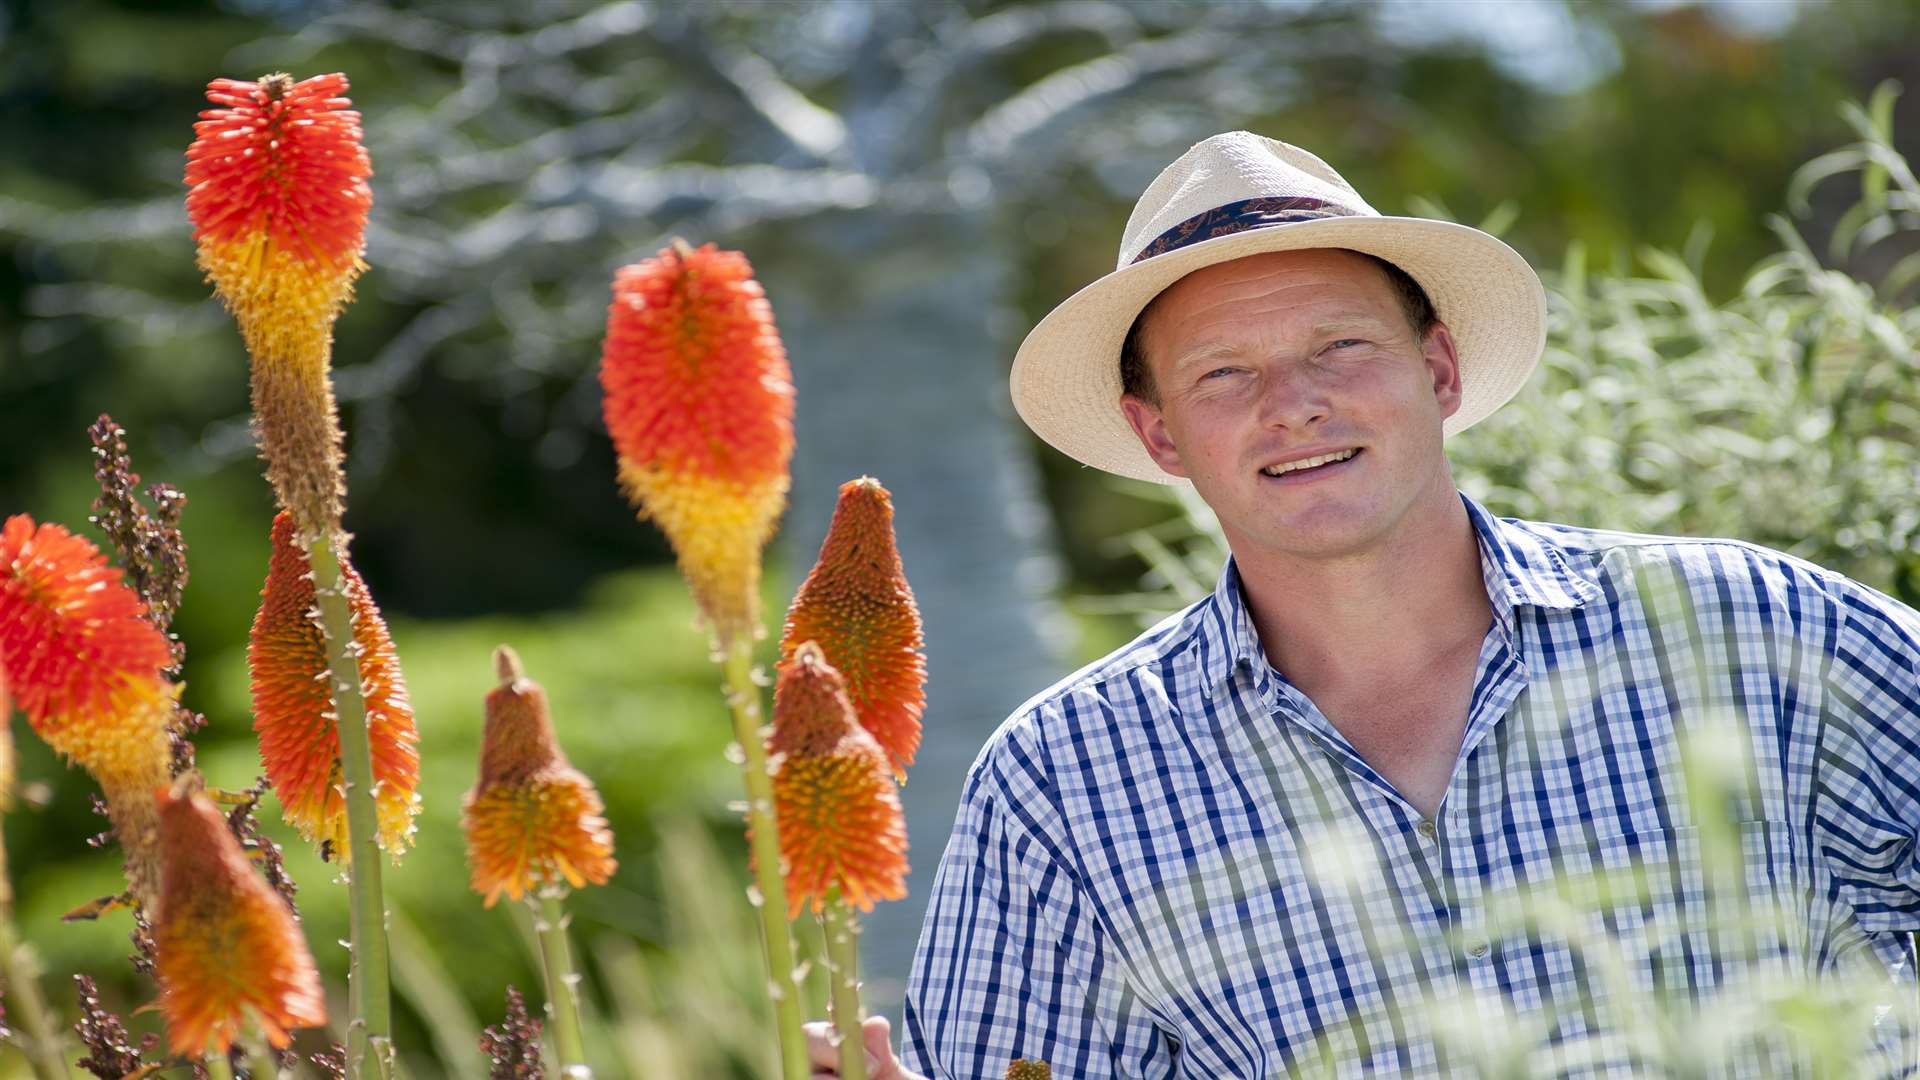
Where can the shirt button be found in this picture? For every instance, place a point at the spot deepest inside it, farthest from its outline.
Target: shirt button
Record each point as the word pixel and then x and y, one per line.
pixel 1477 950
pixel 1426 830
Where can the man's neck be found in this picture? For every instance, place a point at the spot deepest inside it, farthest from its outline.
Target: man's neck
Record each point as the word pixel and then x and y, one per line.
pixel 1395 606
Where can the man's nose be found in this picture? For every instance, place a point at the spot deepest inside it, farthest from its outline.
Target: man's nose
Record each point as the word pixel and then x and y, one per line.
pixel 1291 398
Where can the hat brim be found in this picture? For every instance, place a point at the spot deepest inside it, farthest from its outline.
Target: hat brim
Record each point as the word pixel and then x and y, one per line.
pixel 1066 376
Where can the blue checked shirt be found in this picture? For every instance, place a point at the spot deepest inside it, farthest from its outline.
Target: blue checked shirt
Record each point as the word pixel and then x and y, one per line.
pixel 1690 777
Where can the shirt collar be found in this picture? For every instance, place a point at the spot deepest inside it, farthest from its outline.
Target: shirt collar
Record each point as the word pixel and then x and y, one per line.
pixel 1521 568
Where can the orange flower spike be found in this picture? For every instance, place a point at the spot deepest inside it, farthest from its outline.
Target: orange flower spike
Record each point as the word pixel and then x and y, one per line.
pixel 532 820
pixel 7 768
pixel 699 401
pixel 293 716
pixel 838 809
pixel 78 656
pixel 279 202
pixel 81 660
pixel 227 949
pixel 857 605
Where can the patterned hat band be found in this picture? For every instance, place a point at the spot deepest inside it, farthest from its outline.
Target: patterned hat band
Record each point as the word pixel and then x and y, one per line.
pixel 1242 216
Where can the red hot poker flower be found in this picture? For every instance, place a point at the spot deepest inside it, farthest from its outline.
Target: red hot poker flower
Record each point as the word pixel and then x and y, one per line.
pixel 293 715
pixel 80 659
pixel 279 202
pixel 227 949
pixel 699 401
pixel 857 605
pixel 839 815
pixel 280 162
pixel 78 654
pixel 532 820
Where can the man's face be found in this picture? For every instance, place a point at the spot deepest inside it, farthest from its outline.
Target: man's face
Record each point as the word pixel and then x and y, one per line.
pixel 1267 361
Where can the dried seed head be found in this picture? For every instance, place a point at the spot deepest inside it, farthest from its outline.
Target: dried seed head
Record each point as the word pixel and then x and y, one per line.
pixel 699 402
pixel 513 1045
pixel 293 710
pixel 857 605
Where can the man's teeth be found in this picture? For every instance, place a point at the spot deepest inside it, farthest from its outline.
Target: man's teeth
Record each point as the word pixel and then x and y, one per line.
pixel 1308 463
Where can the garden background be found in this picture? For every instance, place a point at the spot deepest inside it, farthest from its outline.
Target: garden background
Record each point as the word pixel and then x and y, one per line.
pixel 916 183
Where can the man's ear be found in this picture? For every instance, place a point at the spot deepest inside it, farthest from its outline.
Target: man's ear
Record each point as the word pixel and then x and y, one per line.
pixel 1148 425
pixel 1443 362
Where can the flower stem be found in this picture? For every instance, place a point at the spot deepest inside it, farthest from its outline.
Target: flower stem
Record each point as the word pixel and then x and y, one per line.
pixel 19 980
pixel 770 894
pixel 217 1065
pixel 370 1026
pixel 261 1064
pixel 563 1001
pixel 842 928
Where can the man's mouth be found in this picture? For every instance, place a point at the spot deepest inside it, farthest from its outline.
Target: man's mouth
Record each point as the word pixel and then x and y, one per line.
pixel 1306 466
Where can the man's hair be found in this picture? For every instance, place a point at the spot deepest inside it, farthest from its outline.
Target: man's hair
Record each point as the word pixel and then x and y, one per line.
pixel 1136 378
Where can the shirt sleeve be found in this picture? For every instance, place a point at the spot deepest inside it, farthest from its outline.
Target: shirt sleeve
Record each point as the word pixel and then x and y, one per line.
pixel 1867 790
pixel 1012 962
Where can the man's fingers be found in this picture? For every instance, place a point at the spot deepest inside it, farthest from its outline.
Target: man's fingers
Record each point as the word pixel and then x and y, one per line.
pixel 878 1037
pixel 820 1048
pixel 824 1056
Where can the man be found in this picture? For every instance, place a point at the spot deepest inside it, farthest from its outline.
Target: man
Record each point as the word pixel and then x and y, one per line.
pixel 1418 790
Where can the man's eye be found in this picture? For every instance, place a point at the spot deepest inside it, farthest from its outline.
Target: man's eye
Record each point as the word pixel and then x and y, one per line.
pixel 1219 371
pixel 1346 341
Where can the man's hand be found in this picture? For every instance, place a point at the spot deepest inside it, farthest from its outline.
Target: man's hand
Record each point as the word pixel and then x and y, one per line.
pixel 881 1064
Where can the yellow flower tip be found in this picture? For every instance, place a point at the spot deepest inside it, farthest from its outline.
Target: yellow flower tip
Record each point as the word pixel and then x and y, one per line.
pixel 532 821
pixel 837 807
pixel 227 950
pixel 857 605
pixel 1024 1069
pixel 718 528
pixel 293 711
pixel 699 402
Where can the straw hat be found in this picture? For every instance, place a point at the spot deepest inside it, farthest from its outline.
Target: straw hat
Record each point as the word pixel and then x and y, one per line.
pixel 1239 194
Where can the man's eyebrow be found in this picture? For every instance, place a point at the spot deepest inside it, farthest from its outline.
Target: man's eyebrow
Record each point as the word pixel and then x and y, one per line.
pixel 1334 326
pixel 1207 354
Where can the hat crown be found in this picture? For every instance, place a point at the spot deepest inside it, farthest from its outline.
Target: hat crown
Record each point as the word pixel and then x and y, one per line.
pixel 1229 168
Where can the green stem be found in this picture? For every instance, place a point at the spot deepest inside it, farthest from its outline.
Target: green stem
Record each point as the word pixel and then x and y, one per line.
pixel 370 1025
pixel 25 1006
pixel 842 928
pixel 217 1065
pixel 563 1001
pixel 261 1064
pixel 770 893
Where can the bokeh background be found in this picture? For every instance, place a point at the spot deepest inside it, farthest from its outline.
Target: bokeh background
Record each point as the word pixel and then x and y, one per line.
pixel 916 183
